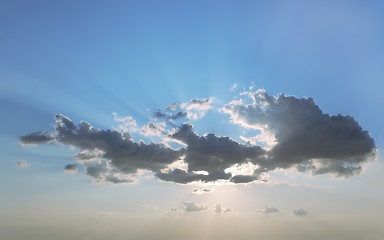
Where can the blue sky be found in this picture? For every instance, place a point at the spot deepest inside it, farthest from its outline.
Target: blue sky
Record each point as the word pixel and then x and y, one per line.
pixel 89 59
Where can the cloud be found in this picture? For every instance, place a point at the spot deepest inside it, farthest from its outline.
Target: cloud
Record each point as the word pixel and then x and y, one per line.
pixel 84 156
pixel 104 171
pixel 36 138
pixel 127 123
pixel 170 116
pixel 233 87
pixel 70 168
pixel 268 210
pixel 300 212
pixel 153 129
pixel 126 155
pixel 202 191
pixel 199 104
pixel 22 164
pixel 244 178
pixel 306 138
pixel 193 207
pixel 293 133
pixel 219 209
pixel 211 154
pixel 193 109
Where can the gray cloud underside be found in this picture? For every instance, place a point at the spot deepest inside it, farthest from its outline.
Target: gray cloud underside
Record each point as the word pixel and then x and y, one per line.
pixel 124 154
pixel 36 138
pixel 304 134
pixel 170 116
pixel 306 139
pixel 70 167
pixel 211 154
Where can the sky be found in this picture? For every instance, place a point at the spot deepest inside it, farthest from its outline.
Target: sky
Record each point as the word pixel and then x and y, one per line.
pixel 191 120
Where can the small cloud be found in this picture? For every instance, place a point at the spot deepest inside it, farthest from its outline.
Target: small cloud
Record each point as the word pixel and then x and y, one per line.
pixel 300 212
pixel 219 209
pixel 84 156
pixel 22 164
pixel 127 123
pixel 192 110
pixel 201 191
pixel 36 138
pixel 227 210
pixel 193 207
pixel 70 168
pixel 233 87
pixel 268 210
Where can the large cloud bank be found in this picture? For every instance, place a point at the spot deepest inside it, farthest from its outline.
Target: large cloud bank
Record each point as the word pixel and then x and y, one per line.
pixel 295 132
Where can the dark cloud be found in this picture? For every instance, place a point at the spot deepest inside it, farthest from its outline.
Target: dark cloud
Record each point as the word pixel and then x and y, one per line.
pixel 268 210
pixel 193 207
pixel 306 139
pixel 244 178
pixel 70 167
pixel 211 154
pixel 103 171
pixel 86 156
pixel 169 116
pixel 177 115
pixel 126 155
pixel 36 138
pixel 159 114
pixel 300 212
pixel 305 136
pixel 198 102
pixel 201 191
